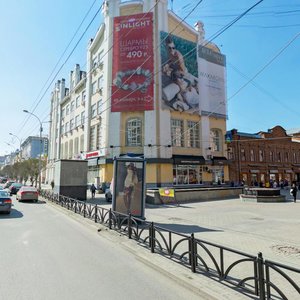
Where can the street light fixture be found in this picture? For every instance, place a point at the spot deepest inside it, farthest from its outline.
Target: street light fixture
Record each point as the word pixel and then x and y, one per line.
pixel 20 141
pixel 40 157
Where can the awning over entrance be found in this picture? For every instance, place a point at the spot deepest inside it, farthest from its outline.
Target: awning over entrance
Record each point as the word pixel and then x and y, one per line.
pixel 188 160
pixel 219 160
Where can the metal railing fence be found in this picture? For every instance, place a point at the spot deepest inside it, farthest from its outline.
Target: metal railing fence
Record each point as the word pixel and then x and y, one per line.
pixel 265 279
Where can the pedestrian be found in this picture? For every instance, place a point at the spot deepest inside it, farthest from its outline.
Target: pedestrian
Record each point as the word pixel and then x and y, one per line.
pixel 293 191
pixel 52 184
pixel 93 190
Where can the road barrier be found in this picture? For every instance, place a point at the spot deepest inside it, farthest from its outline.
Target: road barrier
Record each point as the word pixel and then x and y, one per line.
pixel 249 274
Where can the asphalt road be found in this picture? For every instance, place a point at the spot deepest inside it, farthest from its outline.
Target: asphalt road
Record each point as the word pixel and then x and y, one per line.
pixel 44 254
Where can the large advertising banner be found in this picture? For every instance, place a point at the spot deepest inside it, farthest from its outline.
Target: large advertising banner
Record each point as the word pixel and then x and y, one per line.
pixel 132 71
pixel 128 187
pixel 179 74
pixel 212 82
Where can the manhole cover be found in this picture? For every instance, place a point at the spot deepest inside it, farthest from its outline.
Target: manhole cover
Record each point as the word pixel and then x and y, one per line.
pixel 288 250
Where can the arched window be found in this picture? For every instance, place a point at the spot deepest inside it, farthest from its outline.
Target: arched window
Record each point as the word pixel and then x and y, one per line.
pixel 216 139
pixel 134 132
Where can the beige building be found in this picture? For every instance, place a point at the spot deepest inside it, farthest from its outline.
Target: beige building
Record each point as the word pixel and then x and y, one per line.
pixel 157 92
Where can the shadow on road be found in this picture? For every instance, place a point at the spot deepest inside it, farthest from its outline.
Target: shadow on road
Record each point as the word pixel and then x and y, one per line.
pixel 14 214
pixel 182 228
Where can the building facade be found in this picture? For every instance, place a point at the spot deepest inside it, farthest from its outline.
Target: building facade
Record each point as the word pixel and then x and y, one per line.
pixel 264 157
pixel 33 146
pixel 153 88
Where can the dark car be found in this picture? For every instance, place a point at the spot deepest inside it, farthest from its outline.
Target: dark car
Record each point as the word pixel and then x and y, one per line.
pixel 5 202
pixel 14 188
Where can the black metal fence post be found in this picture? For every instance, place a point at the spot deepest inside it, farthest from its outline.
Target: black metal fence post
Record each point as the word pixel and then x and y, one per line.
pixel 109 219
pixel 129 226
pixel 192 253
pixel 152 245
pixel 84 210
pixel 96 213
pixel 222 262
pixel 261 279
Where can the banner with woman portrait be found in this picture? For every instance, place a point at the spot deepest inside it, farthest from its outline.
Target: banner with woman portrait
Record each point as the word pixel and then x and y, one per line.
pixel 128 187
pixel 179 71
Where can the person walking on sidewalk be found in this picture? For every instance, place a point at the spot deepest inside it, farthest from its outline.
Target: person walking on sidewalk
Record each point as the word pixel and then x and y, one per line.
pixel 93 190
pixel 294 191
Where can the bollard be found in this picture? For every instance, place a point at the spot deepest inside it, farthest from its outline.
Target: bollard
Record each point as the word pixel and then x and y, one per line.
pixel 129 226
pixel 96 213
pixel 261 279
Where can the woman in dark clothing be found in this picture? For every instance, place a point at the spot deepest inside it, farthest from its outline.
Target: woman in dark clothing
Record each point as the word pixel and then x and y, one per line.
pixel 294 191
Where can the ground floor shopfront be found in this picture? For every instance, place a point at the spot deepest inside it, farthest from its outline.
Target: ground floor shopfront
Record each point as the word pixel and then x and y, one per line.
pixel 267 176
pixel 177 171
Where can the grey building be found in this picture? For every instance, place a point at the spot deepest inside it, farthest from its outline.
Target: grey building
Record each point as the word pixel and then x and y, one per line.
pixel 31 147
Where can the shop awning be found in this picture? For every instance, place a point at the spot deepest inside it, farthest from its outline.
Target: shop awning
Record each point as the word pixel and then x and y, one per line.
pixel 188 160
pixel 219 160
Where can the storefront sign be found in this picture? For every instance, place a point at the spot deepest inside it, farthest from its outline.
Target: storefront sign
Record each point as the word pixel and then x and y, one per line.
pixel 93 154
pixel 132 71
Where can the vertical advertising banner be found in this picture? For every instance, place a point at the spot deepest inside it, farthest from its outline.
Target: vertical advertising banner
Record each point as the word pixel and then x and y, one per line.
pixel 179 74
pixel 212 82
pixel 132 71
pixel 128 187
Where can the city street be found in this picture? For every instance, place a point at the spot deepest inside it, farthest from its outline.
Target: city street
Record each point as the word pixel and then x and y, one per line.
pixel 47 255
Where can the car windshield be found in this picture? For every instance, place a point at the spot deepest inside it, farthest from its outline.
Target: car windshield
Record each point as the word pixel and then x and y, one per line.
pixel 28 189
pixel 3 194
pixel 17 184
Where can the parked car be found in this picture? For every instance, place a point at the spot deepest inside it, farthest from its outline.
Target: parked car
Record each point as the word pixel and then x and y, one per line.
pixel 14 188
pixel 8 184
pixel 5 202
pixel 27 193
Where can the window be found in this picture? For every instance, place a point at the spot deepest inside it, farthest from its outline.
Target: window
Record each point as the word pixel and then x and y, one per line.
pixel 66 127
pixel 83 97
pixel 99 136
pixel 77 101
pixel 72 106
pixel 261 155
pixel 70 148
pixel 177 133
pixel 286 156
pixel 67 109
pixel 100 82
pixel 279 157
pixel 66 150
pixel 134 132
pixel 71 124
pixel 94 63
pixel 252 158
pixel 92 138
pixel 82 118
pixel 94 87
pixel 93 111
pixel 243 156
pixel 81 143
pixel 62 128
pixel 271 156
pixel 62 151
pixel 187 174
pixel 76 145
pixel 100 57
pixel 193 134
pixel 77 120
pixel 294 157
pixel 99 106
pixel 215 140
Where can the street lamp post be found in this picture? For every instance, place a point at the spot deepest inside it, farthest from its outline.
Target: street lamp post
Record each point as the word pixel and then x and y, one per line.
pixel 20 141
pixel 40 157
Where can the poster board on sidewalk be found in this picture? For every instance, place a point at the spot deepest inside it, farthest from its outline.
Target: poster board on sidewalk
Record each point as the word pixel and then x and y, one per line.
pixel 129 186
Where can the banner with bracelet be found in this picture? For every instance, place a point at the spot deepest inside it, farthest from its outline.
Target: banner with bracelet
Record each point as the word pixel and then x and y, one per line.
pixel 132 88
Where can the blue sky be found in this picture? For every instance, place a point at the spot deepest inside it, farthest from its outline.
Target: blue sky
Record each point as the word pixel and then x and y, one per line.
pixel 35 33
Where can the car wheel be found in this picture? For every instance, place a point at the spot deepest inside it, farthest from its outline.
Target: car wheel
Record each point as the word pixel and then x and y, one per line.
pixel 35 200
pixel 8 212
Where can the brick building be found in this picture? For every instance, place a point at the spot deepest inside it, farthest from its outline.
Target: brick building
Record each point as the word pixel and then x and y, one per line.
pixel 263 157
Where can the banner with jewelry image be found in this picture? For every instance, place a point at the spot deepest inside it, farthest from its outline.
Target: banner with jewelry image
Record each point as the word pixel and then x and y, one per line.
pixel 129 186
pixel 132 70
pixel 179 71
